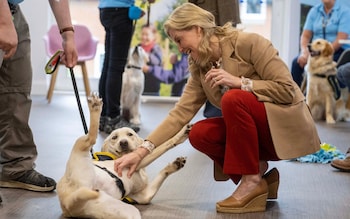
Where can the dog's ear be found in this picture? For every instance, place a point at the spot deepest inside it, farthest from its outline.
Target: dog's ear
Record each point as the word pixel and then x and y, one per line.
pixel 328 51
pixel 140 140
pixel 104 147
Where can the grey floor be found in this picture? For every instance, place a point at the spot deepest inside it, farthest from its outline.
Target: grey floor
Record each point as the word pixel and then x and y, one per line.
pixel 306 190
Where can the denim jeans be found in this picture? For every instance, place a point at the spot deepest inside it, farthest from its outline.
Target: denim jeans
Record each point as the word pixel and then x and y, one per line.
pixel 343 75
pixel 118 28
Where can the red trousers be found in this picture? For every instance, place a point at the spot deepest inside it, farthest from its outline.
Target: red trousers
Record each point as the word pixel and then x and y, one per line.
pixel 239 139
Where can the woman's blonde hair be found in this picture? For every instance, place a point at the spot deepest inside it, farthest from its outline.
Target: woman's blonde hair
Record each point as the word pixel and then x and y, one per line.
pixel 187 16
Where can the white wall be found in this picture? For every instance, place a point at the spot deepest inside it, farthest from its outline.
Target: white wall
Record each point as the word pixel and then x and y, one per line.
pixel 38 19
pixel 285 28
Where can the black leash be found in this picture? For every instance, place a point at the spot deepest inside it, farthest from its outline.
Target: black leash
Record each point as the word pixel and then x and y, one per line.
pixel 80 107
pixel 78 100
pixel 50 68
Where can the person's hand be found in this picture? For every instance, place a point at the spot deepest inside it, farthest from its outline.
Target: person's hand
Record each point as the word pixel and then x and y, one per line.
pixel 302 60
pixel 173 58
pixel 219 76
pixel 130 160
pixel 145 69
pixel 8 38
pixel 70 55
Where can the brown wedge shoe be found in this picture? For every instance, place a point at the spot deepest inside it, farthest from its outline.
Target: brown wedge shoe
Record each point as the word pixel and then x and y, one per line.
pixel 273 181
pixel 253 202
pixel 342 165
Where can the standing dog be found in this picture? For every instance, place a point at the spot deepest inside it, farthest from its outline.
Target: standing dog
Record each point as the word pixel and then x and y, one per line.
pixel 323 95
pixel 133 85
pixel 92 189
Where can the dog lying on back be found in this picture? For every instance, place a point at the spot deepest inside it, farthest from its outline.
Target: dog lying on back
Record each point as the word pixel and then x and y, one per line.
pixel 323 94
pixel 92 189
pixel 133 85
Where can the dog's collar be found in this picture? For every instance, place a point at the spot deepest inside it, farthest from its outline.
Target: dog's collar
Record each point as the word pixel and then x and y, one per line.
pixel 133 66
pixel 118 181
pixel 320 75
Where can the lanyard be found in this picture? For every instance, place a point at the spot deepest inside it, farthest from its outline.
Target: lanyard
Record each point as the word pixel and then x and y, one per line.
pixel 325 21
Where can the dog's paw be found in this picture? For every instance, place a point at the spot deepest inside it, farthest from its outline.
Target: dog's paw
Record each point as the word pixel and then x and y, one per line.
pixel 94 102
pixel 188 128
pixel 135 121
pixel 330 120
pixel 174 166
pixel 180 162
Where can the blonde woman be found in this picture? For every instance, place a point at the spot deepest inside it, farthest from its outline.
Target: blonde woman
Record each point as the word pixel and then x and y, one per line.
pixel 265 116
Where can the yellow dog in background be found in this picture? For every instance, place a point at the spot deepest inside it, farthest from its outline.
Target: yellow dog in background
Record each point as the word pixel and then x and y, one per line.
pixel 323 94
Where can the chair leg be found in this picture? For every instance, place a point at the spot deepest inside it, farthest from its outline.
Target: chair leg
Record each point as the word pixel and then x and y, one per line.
pixel 85 78
pixel 52 85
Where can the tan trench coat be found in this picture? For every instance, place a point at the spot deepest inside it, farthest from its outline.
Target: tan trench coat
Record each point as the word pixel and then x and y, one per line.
pixel 250 55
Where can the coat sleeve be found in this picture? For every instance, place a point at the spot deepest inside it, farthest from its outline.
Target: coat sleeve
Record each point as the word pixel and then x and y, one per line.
pixel 191 100
pixel 272 80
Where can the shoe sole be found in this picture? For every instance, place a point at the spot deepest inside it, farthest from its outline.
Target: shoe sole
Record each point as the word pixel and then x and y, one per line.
pixel 258 204
pixel 340 168
pixel 20 185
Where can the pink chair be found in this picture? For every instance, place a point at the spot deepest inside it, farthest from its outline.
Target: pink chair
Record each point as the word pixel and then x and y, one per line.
pixel 86 46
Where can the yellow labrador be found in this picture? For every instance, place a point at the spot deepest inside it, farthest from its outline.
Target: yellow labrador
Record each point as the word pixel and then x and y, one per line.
pixel 323 95
pixel 133 85
pixel 91 189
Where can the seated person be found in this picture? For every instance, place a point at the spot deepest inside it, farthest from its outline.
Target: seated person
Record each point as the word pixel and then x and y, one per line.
pixel 343 75
pixel 327 20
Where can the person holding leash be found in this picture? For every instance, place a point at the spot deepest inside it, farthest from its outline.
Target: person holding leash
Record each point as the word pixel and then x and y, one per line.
pixel 18 150
pixel 265 117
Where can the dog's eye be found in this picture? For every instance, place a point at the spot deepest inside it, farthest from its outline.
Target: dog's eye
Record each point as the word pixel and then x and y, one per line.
pixel 114 137
pixel 130 134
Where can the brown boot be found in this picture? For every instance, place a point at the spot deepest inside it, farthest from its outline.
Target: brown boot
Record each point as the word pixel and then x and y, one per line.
pixel 343 165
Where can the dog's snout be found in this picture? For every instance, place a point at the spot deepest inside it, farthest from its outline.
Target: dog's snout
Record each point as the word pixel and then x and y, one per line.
pixel 124 145
pixel 309 47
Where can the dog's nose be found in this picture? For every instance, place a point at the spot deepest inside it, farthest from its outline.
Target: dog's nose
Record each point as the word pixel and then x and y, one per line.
pixel 309 47
pixel 124 145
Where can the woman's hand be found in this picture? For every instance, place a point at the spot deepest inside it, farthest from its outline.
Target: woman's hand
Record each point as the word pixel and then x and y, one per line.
pixel 130 160
pixel 219 76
